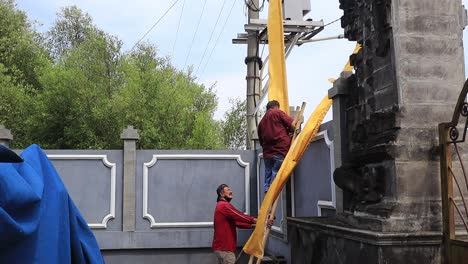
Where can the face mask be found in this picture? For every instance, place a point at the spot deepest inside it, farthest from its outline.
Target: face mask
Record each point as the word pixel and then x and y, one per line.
pixel 227 199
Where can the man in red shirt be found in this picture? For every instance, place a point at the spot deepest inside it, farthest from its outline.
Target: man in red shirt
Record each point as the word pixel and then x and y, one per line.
pixel 226 219
pixel 273 134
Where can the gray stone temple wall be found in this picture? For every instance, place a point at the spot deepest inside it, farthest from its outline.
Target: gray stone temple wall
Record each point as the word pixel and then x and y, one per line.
pixel 408 75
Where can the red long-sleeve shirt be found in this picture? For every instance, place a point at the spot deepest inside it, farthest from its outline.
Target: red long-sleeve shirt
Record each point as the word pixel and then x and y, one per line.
pixel 273 133
pixel 226 219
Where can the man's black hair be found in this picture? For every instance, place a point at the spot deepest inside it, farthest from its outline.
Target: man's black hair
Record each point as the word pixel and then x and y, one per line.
pixel 219 190
pixel 272 104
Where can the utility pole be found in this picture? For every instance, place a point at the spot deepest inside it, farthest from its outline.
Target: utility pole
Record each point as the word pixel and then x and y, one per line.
pixel 298 31
pixel 253 77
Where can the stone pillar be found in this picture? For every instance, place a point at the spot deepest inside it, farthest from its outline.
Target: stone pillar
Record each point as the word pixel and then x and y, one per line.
pixel 407 79
pixel 429 66
pixel 129 137
pixel 5 136
pixel 338 94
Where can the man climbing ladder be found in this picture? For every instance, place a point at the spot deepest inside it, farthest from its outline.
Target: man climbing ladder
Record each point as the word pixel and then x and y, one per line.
pixel 274 135
pixel 255 244
pixel 278 91
pixel 296 124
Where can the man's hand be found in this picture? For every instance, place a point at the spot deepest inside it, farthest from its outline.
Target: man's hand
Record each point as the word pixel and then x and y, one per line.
pixel 270 221
pixel 254 223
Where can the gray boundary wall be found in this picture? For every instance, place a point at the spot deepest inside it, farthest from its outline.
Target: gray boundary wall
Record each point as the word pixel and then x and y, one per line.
pixel 156 206
pixel 174 198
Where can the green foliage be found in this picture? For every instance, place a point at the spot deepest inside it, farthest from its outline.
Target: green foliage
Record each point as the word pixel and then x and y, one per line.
pixel 82 90
pixel 234 132
pixel 21 53
pixel 15 105
pixel 72 27
pixel 167 106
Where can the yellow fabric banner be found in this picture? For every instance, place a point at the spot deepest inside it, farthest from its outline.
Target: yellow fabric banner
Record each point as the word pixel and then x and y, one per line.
pixel 278 88
pixel 254 245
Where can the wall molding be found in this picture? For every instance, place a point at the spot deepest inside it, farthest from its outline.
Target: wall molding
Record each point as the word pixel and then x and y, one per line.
pixel 108 164
pixel 154 160
pixel 281 228
pixel 322 203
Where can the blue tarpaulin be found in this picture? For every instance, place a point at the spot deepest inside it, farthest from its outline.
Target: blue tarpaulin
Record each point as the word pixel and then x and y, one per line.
pixel 39 223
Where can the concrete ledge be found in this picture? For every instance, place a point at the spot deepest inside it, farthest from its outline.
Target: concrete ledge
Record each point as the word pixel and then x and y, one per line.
pixel 329 240
pixel 338 228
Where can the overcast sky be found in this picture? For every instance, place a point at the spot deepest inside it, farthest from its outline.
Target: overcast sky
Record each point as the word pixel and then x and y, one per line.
pixel 308 67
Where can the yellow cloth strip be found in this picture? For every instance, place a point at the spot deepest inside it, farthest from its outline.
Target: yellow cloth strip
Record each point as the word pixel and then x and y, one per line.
pixel 278 88
pixel 254 245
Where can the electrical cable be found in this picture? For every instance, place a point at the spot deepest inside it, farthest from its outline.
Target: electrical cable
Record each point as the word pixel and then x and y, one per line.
pixel 255 82
pixel 263 60
pixel 211 36
pixel 263 48
pixel 217 39
pixel 178 27
pixel 154 25
pixel 332 22
pixel 194 35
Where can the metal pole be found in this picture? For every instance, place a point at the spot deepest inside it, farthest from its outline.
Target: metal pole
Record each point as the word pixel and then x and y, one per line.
pixel 341 36
pixel 253 78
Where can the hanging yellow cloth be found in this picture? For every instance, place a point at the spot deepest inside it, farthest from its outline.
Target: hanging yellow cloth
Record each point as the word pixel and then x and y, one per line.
pixel 278 88
pixel 254 245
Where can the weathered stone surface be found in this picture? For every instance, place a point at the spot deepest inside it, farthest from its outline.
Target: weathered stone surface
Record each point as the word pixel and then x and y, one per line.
pixel 325 241
pixel 417 23
pixel 441 7
pixel 417 180
pixel 408 75
pixel 425 46
pixel 426 115
pixel 438 92
pixel 418 68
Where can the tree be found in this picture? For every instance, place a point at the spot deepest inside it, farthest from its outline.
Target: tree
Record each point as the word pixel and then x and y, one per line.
pixel 77 103
pixel 173 112
pixel 21 51
pixel 16 106
pixel 72 27
pixel 84 93
pixel 22 61
pixel 234 125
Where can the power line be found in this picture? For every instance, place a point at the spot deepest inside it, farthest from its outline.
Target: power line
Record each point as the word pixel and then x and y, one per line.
pixel 211 36
pixel 332 22
pixel 178 27
pixel 157 22
pixel 220 33
pixel 194 35
pixel 263 48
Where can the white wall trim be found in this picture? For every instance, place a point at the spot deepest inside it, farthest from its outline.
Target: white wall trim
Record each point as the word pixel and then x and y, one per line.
pixel 328 204
pixel 108 164
pixel 324 204
pixel 154 160
pixel 276 228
